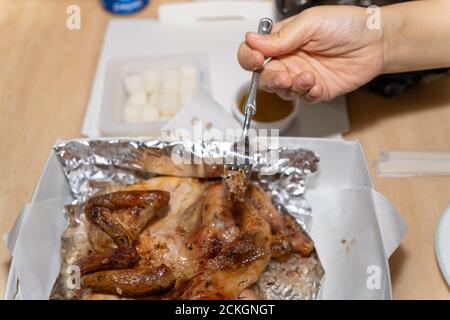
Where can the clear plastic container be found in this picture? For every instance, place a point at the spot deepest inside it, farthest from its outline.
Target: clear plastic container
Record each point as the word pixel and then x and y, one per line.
pixel 111 118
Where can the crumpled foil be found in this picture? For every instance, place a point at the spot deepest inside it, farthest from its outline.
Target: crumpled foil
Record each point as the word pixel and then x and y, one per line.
pixel 91 166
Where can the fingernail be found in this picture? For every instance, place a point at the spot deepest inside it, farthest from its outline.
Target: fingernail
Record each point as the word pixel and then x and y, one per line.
pixel 255 35
pixel 255 63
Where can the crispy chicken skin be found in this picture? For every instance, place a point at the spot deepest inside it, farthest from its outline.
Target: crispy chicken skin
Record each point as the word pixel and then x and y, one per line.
pixel 237 242
pixel 282 224
pixel 138 282
pixel 184 239
pixel 122 216
pixel 132 211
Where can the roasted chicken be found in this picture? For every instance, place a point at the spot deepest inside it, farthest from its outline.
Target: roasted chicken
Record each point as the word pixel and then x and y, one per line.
pixel 181 238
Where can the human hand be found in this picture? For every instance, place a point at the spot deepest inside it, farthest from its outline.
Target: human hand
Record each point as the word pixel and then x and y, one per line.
pixel 319 54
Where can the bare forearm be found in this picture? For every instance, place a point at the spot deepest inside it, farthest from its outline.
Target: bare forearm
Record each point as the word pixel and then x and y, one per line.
pixel 417 35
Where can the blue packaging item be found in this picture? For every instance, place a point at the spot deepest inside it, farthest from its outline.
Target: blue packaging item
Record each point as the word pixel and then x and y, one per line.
pixel 124 6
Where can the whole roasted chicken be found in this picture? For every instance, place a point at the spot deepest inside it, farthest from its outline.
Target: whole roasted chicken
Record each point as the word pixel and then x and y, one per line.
pixel 182 238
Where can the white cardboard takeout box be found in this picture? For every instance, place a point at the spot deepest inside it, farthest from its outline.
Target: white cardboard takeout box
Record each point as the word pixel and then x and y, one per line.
pixel 355 229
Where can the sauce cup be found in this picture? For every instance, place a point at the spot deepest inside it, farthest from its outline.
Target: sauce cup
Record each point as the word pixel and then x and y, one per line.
pixel 281 124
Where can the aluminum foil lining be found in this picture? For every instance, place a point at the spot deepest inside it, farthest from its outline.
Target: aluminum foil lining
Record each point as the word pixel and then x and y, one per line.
pixel 91 166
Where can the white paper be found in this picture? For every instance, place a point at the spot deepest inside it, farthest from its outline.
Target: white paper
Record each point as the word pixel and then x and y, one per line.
pixel 392 226
pixel 199 115
pixel 36 251
pixel 350 241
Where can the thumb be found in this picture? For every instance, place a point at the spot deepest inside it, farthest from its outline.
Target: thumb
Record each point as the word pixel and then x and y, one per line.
pixel 284 40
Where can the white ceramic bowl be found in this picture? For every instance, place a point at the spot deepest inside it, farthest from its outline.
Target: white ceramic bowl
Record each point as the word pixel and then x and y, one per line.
pixel 282 125
pixel 442 244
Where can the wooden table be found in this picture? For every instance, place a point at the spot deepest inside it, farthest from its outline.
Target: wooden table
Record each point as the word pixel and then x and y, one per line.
pixel 46 72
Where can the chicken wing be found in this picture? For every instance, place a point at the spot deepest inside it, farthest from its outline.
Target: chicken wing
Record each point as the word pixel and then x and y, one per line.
pixel 122 216
pixel 282 224
pixel 137 282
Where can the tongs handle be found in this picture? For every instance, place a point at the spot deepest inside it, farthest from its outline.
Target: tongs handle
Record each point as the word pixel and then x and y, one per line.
pixel 265 27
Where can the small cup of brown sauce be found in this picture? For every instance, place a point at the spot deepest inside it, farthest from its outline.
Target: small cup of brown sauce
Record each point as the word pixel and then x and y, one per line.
pixel 272 112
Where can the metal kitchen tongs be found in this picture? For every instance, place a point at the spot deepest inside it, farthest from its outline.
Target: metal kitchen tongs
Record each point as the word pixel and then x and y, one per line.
pixel 265 27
